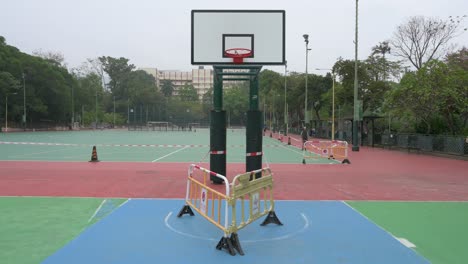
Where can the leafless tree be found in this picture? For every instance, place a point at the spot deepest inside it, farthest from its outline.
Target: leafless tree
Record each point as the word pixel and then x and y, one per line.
pixel 422 39
pixel 54 57
pixel 92 66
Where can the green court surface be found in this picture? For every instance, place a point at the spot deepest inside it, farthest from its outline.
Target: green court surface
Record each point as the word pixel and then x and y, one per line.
pixel 33 228
pixel 437 229
pixel 121 145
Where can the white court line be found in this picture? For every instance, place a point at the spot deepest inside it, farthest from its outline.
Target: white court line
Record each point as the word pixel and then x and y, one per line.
pixel 286 236
pixel 166 221
pixel 406 242
pixel 332 161
pixel 170 154
pixel 383 229
pixel 102 203
pixel 306 225
pixel 97 210
pixel 122 204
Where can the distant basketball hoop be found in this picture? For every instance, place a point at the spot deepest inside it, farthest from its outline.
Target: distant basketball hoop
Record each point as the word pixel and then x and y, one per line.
pixel 238 54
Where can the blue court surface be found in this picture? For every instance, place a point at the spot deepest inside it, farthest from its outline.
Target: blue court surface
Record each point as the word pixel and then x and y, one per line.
pixel 149 231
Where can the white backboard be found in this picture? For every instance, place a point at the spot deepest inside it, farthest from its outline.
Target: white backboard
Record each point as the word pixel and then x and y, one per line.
pixel 262 31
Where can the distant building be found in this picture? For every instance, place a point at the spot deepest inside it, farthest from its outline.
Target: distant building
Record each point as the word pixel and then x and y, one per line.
pixel 201 79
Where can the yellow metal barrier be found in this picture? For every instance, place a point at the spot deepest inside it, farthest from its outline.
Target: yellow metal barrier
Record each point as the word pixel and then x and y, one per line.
pixel 330 149
pixel 244 189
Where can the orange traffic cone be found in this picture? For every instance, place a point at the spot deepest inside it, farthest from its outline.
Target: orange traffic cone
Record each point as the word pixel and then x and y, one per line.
pixel 94 157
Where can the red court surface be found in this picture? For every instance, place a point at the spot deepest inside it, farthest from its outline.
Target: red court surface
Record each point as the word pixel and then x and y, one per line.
pixel 374 174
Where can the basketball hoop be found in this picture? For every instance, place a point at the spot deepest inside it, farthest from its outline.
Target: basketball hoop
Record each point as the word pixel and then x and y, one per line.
pixel 238 54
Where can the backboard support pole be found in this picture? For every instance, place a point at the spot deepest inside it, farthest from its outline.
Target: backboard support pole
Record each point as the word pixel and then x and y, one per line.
pixel 218 122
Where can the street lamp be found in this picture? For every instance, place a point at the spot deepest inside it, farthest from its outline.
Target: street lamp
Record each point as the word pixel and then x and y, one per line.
pixel 24 102
pixel 333 101
pixel 306 39
pixel 6 111
pixel 285 103
pixel 356 110
pixel 72 107
pixel 113 125
pixel 96 114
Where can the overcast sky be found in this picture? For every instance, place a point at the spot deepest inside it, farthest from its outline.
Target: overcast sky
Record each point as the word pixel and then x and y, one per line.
pixel 156 34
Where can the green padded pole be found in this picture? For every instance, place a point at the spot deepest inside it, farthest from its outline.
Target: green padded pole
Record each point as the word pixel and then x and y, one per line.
pixel 254 137
pixel 253 93
pixel 217 92
pixel 217 132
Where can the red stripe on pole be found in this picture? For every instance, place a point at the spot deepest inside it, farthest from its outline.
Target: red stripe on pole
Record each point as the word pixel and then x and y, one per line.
pixel 218 152
pixel 252 154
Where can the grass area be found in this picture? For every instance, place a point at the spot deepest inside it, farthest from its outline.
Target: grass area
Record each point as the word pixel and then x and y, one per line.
pixel 438 229
pixel 33 228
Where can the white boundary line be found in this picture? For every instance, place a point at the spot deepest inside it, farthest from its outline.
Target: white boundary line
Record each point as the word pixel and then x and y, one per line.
pixel 97 210
pixel 166 222
pixel 383 229
pixel 286 236
pixel 170 154
pixel 122 204
pixel 306 225
pixel 102 203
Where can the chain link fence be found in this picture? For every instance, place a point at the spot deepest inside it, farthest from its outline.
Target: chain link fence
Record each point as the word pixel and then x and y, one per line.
pixel 455 145
pixel 446 144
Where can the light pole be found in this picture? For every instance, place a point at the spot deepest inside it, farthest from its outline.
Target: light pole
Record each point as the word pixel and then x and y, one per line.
pixel 24 102
pixel 356 110
pixel 333 101
pixel 114 113
pixel 285 103
pixel 6 111
pixel 72 108
pixel 96 117
pixel 306 39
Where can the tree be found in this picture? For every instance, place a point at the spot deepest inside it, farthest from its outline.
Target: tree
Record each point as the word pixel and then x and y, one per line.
pixel 379 67
pixel 433 91
pixel 167 88
pixel 422 39
pixel 319 85
pixel 271 87
pixel 236 103
pixel 118 71
pixel 382 48
pixel 56 58
pixel 141 87
pixel 458 59
pixel 8 83
pixel 207 101
pixel 344 70
pixel 188 93
pixel 458 65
